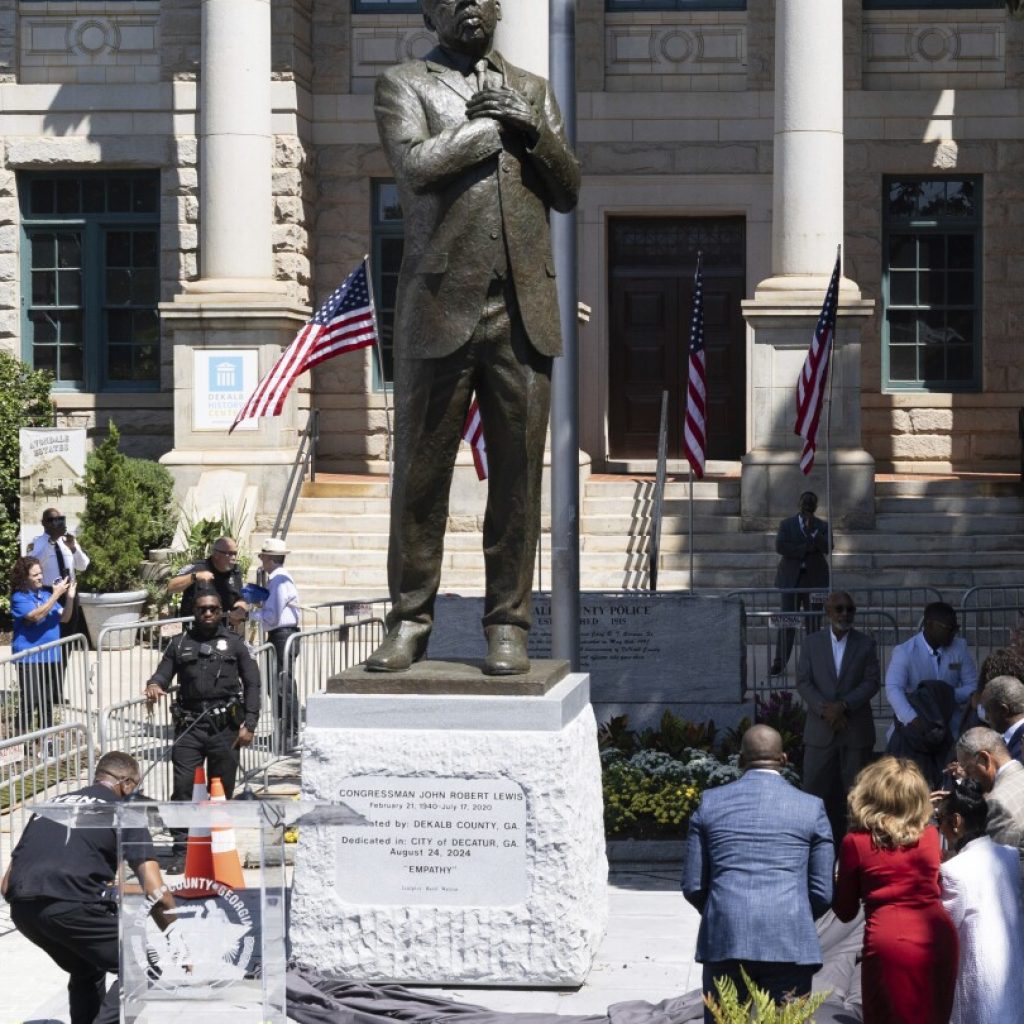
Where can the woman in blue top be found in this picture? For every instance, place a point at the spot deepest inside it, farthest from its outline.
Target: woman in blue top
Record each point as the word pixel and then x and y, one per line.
pixel 37 618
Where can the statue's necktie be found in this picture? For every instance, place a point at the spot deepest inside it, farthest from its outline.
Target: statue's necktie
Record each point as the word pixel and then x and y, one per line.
pixel 480 67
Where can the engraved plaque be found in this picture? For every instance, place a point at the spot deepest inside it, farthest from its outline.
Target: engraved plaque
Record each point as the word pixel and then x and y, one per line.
pixel 436 841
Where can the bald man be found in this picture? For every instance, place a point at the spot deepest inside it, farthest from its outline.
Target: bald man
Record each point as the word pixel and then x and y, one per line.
pixel 759 861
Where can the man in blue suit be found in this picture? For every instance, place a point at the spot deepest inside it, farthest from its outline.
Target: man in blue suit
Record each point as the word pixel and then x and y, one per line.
pixel 759 862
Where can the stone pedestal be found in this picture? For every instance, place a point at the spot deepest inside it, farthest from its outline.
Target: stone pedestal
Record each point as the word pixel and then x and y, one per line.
pixel 483 860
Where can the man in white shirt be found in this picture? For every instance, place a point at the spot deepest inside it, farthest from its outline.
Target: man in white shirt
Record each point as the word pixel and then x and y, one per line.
pixel 58 551
pixel 1003 701
pixel 837 676
pixel 936 652
pixel 61 556
pixel 280 619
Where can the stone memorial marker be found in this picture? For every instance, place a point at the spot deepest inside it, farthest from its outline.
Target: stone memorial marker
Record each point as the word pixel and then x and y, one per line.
pixel 484 858
pixel 644 652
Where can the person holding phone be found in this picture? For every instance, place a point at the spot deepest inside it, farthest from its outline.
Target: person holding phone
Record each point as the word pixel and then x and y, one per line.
pixel 37 615
pixel 61 557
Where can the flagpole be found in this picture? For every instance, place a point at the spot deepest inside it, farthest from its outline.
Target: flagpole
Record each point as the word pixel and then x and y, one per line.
pixel 828 427
pixel 380 369
pixel 689 473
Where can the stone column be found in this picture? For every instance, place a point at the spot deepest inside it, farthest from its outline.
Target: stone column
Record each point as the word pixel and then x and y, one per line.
pixel 236 305
pixel 807 225
pixel 522 35
pixel 236 149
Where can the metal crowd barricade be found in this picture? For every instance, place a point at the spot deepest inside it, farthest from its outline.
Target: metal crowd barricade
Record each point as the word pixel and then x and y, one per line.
pixel 989 616
pixel 261 751
pixel 762 629
pixel 127 656
pixel 146 732
pixel 45 685
pixel 311 657
pixel 38 766
pixel 904 604
pixel 338 613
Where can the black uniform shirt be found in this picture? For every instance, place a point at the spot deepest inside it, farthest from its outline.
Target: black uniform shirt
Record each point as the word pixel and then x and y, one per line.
pixel 210 669
pixel 227 584
pixel 53 861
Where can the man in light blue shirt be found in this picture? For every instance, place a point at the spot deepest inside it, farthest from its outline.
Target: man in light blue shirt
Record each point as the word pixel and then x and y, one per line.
pixel 936 652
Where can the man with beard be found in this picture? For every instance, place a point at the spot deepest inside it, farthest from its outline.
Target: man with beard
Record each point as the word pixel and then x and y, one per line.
pixel 217 705
pixel 837 676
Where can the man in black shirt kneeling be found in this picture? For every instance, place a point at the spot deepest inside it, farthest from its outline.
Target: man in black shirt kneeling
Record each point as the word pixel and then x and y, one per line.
pixel 60 885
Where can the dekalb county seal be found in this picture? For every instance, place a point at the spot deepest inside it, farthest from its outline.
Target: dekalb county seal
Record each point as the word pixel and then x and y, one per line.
pixel 210 943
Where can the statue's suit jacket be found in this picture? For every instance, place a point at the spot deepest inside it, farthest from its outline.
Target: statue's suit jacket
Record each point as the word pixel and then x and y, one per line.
pixel 858 681
pixel 461 182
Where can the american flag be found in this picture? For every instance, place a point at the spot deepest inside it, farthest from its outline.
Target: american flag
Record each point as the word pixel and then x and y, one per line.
pixel 810 388
pixel 694 426
pixel 344 323
pixel 473 432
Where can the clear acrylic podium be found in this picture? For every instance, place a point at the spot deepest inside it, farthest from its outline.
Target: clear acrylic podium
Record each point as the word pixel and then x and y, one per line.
pixel 223 956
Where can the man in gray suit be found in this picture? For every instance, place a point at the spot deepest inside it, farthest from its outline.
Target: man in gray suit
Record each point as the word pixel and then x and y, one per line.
pixel 1003 701
pixel 480 157
pixel 837 676
pixel 759 869
pixel 983 756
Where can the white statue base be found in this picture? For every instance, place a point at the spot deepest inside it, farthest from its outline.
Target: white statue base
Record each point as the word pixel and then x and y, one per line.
pixel 483 862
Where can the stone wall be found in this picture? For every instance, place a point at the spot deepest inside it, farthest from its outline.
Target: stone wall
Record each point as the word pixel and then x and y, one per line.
pixel 675 117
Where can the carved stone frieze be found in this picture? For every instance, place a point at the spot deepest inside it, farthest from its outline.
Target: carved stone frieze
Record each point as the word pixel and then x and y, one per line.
pixel 672 49
pixel 908 45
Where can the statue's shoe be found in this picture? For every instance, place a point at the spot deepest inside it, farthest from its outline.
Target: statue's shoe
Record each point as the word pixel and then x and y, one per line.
pixel 506 651
pixel 405 644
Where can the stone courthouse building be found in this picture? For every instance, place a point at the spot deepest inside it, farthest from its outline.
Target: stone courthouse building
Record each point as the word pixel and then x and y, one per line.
pixel 182 179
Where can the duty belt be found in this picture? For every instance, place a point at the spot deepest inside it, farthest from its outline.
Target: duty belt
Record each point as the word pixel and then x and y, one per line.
pixel 220 713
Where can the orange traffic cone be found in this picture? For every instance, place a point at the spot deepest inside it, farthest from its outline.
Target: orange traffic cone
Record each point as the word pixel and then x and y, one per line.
pixel 227 868
pixel 198 858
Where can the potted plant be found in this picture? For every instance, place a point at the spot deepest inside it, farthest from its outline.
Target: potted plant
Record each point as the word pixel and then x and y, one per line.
pixel 127 512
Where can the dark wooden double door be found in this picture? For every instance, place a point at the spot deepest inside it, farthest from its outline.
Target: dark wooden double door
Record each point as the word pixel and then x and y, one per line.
pixel 651 267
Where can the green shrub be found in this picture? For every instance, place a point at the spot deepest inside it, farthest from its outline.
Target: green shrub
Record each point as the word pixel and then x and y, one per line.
pixel 24 402
pixel 127 510
pixel 759 1005
pixel 155 486
pixel 673 735
pixel 649 792
pixel 640 806
pixel 200 535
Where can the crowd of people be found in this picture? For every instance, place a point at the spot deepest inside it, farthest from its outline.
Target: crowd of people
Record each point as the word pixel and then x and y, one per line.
pixel 936 875
pixel 209 668
pixel 925 844
pixel 928 846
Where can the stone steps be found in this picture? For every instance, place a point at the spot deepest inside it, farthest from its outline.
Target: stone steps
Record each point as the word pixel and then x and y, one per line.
pixel 929 532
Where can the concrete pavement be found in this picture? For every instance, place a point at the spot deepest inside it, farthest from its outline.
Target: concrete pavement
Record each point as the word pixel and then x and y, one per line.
pixel 647 954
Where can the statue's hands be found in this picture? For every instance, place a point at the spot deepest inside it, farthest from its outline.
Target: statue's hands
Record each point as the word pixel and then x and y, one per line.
pixel 508 107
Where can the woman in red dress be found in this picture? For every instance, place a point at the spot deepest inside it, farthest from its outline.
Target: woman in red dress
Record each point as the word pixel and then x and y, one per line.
pixel 889 860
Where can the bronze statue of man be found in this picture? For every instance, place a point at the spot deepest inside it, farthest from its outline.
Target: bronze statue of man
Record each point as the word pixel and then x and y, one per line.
pixel 479 154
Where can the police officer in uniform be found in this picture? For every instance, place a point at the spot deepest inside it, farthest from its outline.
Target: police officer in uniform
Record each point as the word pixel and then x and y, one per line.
pixel 60 885
pixel 216 708
pixel 221 572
